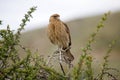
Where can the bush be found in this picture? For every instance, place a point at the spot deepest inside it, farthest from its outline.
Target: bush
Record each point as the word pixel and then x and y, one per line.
pixel 34 67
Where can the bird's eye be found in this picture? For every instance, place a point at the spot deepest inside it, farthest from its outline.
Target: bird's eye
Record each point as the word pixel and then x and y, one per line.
pixel 55 16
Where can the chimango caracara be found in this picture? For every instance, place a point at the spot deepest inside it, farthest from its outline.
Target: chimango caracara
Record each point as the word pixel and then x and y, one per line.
pixel 59 34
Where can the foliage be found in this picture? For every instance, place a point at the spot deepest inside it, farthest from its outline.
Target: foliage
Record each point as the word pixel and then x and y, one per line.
pixel 34 67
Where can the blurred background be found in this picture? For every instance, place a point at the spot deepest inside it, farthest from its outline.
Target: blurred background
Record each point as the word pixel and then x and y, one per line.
pixel 12 11
pixel 82 17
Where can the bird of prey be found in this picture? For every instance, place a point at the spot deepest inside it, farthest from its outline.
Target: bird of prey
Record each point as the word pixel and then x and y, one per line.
pixel 59 34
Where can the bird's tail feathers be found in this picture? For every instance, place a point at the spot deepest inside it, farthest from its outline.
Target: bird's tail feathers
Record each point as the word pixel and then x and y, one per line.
pixel 68 56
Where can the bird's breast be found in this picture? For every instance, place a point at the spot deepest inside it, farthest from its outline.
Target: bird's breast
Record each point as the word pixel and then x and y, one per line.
pixel 57 34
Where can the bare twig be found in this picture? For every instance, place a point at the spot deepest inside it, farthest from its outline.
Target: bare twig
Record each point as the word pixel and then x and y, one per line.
pixel 62 68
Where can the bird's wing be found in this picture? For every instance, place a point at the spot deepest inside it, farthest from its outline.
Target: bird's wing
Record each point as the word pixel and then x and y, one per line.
pixel 50 32
pixel 68 32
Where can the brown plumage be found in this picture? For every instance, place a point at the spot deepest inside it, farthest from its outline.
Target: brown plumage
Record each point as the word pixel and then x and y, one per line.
pixel 59 34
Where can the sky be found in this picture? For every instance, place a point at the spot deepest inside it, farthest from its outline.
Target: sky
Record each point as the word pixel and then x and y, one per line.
pixel 12 11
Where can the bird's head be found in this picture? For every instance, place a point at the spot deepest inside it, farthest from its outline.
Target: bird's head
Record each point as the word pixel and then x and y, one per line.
pixel 54 17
